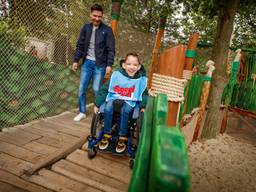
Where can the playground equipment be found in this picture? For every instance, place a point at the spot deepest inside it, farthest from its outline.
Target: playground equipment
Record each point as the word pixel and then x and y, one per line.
pixel 176 63
pixel 171 75
pixel 161 162
pixel 239 93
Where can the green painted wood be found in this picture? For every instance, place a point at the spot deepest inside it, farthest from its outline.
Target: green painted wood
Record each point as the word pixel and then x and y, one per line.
pixel 169 168
pixel 194 93
pixel 140 172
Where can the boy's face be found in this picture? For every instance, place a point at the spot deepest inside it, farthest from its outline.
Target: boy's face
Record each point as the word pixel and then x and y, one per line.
pixel 96 17
pixel 131 65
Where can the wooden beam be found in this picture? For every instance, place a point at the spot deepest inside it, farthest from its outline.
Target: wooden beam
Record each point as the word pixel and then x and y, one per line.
pixel 59 154
pixel 243 112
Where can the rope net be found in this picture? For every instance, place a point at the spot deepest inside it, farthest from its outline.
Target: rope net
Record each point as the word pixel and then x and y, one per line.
pixel 37 44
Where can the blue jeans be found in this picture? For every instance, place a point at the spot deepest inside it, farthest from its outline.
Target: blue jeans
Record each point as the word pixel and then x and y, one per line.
pixel 124 118
pixel 88 69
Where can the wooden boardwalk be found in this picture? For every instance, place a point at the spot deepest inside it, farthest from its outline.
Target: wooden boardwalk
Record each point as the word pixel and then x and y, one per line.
pixel 22 147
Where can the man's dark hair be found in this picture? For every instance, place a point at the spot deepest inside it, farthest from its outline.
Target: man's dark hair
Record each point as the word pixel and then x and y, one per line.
pixel 96 7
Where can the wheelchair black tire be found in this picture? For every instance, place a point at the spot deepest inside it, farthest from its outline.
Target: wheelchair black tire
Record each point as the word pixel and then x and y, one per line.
pixel 92 153
pixel 131 163
pixel 138 126
pixel 95 120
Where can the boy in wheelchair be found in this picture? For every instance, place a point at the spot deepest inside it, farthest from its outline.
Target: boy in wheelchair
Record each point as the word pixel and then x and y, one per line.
pixel 127 87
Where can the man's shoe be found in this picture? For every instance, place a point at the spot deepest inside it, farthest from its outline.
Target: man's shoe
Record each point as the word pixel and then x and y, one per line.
pixel 121 144
pixel 104 143
pixel 79 117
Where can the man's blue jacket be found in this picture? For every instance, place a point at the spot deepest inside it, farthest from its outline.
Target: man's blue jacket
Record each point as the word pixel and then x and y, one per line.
pixel 104 44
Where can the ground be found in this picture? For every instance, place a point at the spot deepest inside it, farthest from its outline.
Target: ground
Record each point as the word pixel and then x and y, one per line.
pixel 228 162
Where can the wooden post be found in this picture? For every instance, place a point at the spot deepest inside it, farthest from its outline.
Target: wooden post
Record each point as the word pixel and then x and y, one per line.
pixel 191 46
pixel 204 98
pixel 115 14
pixel 154 60
pixel 232 82
pixel 189 65
pixel 172 64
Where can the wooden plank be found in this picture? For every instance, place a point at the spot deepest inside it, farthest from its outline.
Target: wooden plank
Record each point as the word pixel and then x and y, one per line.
pixel 119 159
pixel 53 142
pixel 12 138
pixel 20 152
pixel 58 182
pixel 89 177
pixel 69 118
pixel 71 124
pixel 18 137
pixel 102 166
pixel 67 122
pixel 4 187
pixel 13 165
pixel 20 183
pixel 40 148
pixel 61 153
pixel 48 132
pixel 59 128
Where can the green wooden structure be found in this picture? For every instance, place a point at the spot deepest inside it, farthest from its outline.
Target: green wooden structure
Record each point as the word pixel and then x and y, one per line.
pixel 242 94
pixel 161 162
pixel 194 92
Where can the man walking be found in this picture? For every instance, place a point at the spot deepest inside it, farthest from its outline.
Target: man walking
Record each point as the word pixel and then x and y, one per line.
pixel 96 46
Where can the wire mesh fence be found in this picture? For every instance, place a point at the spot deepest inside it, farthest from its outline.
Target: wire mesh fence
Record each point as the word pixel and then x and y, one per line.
pixel 37 43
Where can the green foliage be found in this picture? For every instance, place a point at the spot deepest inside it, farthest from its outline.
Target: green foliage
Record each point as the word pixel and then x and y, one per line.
pixel 201 16
pixel 245 31
pixel 31 88
pixel 10 31
pixel 144 15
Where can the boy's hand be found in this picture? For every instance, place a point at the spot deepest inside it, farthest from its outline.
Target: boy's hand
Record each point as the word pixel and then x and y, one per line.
pixel 142 110
pixel 96 109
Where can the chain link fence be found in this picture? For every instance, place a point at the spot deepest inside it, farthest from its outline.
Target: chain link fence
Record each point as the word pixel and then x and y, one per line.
pixel 37 43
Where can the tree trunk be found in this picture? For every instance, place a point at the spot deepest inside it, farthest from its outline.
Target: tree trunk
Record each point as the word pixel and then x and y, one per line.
pixel 219 54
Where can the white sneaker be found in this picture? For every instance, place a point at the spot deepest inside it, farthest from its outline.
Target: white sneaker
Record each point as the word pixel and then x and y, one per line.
pixel 79 117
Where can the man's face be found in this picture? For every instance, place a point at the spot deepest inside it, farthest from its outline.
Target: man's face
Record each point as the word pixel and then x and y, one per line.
pixel 96 17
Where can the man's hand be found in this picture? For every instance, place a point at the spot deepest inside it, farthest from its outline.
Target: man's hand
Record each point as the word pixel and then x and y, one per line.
pixel 74 66
pixel 96 109
pixel 108 70
pixel 142 110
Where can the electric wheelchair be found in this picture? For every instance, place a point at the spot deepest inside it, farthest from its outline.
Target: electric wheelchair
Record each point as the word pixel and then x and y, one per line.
pixel 134 129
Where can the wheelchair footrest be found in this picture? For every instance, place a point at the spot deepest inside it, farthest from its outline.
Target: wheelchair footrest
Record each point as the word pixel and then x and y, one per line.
pixel 112 149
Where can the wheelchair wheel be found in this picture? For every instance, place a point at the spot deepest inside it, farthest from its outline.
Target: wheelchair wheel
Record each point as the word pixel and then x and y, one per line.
pixel 96 125
pixel 91 153
pixel 131 163
pixel 139 121
pixel 138 127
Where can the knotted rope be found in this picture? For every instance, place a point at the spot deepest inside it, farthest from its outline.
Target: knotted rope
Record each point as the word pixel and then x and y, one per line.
pixel 171 86
pixel 187 74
